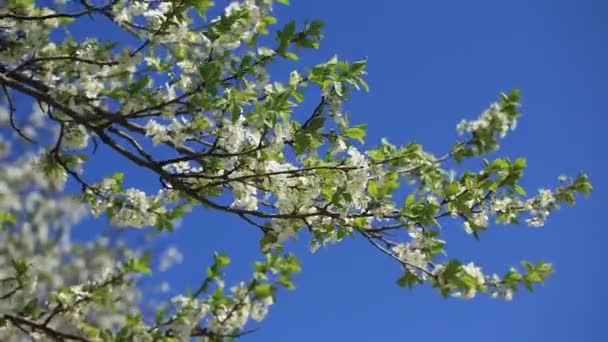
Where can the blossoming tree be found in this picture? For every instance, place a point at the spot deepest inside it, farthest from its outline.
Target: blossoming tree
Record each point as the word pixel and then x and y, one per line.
pixel 184 92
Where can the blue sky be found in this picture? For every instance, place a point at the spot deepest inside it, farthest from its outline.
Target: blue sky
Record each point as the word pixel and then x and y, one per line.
pixel 432 63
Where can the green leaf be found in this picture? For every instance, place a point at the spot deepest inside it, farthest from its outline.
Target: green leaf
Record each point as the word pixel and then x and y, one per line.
pixel 142 265
pixel 20 3
pixel 20 266
pixel 180 51
pixel 30 309
pixel 363 83
pixel 520 163
pixel 202 6
pixel 499 164
pixel 303 141
pixel 264 290
pixel 519 190
pixel 6 218
pixel 90 331
pixel 292 265
pixel 452 189
pixel 376 154
pixel 285 281
pixel 222 259
pixel 582 184
pixel 372 188
pixel 284 37
pixel 139 84
pixel 289 29
pixel 408 279
pixel 290 55
pixel 267 240
pixel 315 124
pixel 356 132
pixel 118 177
pixel 409 200
pixel 160 315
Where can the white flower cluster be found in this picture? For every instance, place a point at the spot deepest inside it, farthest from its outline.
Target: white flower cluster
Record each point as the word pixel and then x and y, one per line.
pixel 182 167
pixel 242 30
pixel 479 220
pixel 293 194
pixel 130 207
pixel 170 257
pixel 137 210
pixel 356 181
pixel 235 135
pixel 493 119
pixel 475 272
pixel 176 132
pixel 41 237
pixel 234 317
pixel 96 77
pixel 223 319
pixel 75 136
pixel 500 291
pixel 25 37
pixel 411 256
pixel 245 196
pixel 413 253
pixel 539 208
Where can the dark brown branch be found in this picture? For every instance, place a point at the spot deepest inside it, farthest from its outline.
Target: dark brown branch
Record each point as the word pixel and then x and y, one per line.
pixel 12 110
pixel 34 326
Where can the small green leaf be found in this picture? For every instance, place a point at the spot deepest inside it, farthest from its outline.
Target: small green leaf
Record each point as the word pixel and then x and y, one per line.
pixel 201 6
pixel 142 265
pixel 409 200
pixel 267 240
pixel 20 266
pixel 290 55
pixel 452 189
pixel 408 279
pixel 303 141
pixel 356 132
pixel 372 188
pixel 31 308
pixel 315 124
pixel 520 163
pixel 6 218
pixel 264 290
pixel 222 259
pixel 139 84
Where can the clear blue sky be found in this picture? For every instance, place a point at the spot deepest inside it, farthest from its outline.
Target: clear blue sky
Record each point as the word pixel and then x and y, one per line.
pixel 432 63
